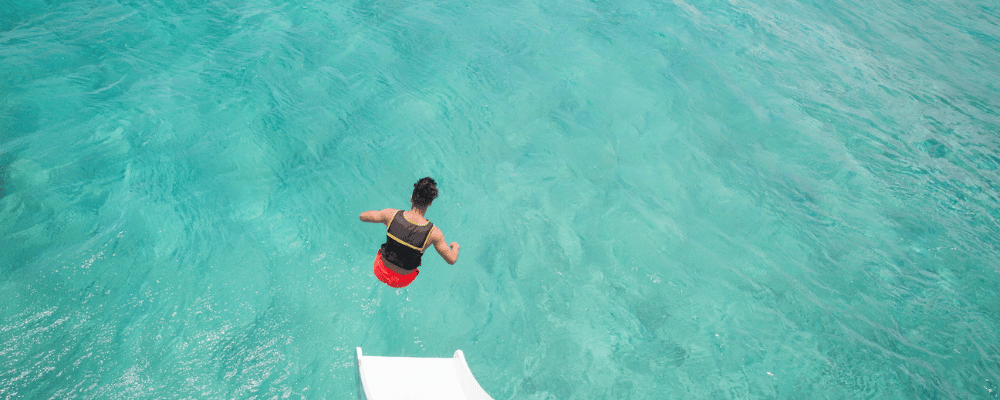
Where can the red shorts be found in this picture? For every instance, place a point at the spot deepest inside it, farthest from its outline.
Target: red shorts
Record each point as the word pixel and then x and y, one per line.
pixel 390 277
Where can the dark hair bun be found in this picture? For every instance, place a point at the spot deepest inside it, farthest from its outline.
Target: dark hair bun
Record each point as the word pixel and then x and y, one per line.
pixel 424 192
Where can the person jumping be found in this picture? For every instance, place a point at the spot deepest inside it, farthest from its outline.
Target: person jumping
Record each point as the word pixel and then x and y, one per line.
pixel 408 234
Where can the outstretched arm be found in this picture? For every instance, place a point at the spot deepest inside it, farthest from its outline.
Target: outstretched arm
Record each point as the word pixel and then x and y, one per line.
pixel 378 216
pixel 449 253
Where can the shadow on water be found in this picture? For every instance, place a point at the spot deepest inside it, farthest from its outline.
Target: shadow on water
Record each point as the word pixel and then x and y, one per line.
pixel 19 120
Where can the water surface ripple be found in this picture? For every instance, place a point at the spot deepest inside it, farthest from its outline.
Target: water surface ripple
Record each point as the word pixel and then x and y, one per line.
pixel 683 199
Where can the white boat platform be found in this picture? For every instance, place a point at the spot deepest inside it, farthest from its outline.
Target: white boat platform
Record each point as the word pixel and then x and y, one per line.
pixel 417 378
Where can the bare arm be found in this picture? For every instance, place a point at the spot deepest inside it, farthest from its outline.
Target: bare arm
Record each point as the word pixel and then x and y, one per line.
pixel 449 253
pixel 378 216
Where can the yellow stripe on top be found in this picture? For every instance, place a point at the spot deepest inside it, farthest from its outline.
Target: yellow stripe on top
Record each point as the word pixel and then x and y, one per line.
pixel 401 241
pixel 414 223
pixel 428 238
pixel 404 243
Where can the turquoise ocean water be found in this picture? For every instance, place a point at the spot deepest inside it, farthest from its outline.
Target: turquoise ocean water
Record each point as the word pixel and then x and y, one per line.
pixel 654 199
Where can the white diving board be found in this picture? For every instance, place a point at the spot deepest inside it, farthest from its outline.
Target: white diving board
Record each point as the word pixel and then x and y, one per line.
pixel 413 378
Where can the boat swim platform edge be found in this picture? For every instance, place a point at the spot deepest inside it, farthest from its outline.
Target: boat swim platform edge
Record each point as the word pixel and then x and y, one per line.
pixel 417 378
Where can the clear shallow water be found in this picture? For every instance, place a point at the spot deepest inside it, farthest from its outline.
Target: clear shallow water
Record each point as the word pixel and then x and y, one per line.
pixel 654 200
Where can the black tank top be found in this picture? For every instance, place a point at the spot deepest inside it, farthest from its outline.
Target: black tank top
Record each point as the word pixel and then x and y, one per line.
pixel 405 241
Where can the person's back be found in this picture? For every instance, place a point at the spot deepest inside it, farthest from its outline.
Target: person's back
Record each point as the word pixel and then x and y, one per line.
pixel 408 234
